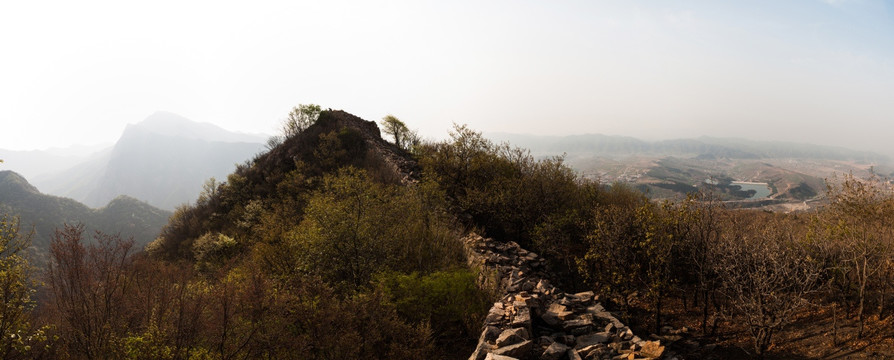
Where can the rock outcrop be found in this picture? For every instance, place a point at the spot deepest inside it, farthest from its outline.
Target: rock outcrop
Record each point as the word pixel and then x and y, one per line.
pixel 393 158
pixel 535 320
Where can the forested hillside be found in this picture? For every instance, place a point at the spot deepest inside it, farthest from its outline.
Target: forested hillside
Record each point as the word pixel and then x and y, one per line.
pixel 336 244
pixel 315 249
pixel 45 213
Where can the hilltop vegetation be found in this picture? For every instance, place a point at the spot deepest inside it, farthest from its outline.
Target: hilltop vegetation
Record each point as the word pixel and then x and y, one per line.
pixel 337 244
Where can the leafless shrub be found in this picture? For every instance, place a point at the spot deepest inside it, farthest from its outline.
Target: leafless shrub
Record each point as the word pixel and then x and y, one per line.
pixel 766 273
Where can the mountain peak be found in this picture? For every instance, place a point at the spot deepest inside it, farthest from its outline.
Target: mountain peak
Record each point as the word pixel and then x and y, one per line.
pixel 171 124
pixel 12 182
pixel 165 119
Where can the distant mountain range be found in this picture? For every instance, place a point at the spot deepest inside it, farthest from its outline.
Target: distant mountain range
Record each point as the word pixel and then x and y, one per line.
pixel 128 188
pixel 163 160
pixel 35 163
pixel 43 213
pixel 732 148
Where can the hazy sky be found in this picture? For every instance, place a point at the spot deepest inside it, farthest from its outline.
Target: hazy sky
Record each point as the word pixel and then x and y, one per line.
pixel 811 70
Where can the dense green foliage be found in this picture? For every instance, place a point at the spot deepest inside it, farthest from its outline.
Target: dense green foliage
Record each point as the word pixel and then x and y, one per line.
pixel 403 137
pixel 541 204
pixel 447 300
pixel 300 118
pixel 354 227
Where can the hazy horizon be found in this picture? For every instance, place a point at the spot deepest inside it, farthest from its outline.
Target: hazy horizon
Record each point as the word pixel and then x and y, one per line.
pixel 807 71
pixel 84 149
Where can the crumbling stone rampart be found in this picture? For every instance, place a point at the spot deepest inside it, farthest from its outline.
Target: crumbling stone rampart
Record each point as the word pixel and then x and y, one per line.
pixel 534 320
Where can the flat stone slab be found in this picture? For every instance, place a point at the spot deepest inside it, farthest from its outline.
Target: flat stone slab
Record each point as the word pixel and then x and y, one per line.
pixel 585 296
pixel 554 351
pixel 520 350
pixel 592 339
pixel 577 323
pixel 493 356
pixel 651 349
pixel 522 318
pixel 560 311
pixel 512 336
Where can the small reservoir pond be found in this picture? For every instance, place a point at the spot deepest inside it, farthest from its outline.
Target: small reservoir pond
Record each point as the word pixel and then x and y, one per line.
pixel 762 190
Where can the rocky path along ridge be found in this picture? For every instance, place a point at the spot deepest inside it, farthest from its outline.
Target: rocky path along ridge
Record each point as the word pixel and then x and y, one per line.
pixel 535 320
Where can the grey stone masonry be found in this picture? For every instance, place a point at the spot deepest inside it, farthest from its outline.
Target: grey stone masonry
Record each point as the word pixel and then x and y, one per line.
pixel 534 320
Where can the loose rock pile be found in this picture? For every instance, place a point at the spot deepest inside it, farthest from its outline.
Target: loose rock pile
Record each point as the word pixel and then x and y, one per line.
pixel 535 320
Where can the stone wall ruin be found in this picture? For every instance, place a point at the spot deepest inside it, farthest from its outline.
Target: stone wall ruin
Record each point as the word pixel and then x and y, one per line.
pixel 535 320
